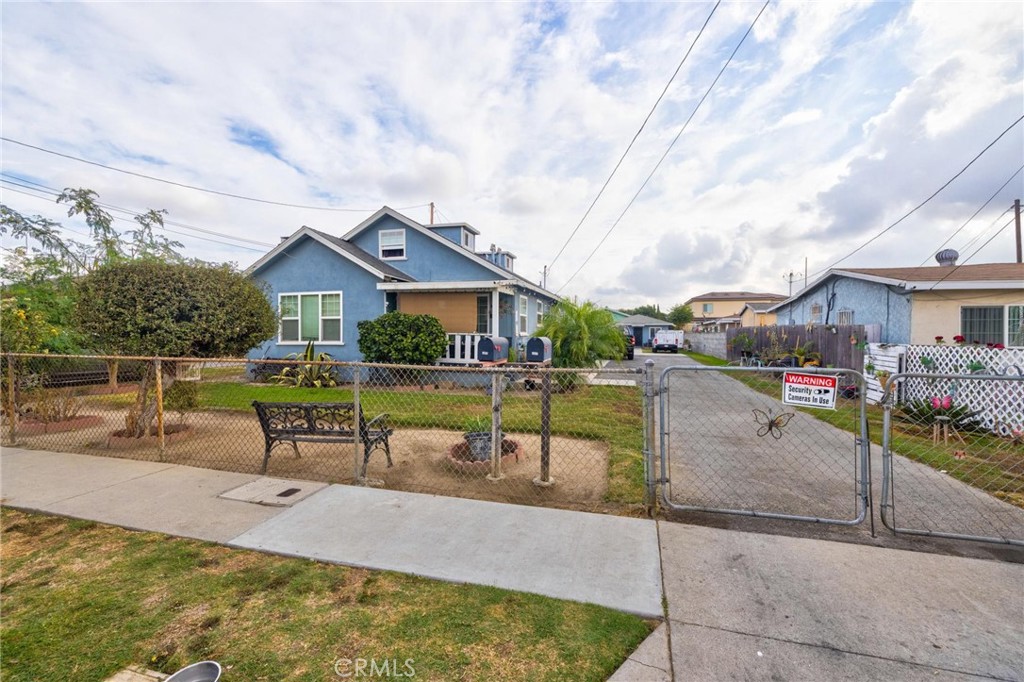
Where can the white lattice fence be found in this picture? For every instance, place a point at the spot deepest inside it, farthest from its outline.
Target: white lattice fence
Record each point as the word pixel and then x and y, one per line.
pixel 1000 402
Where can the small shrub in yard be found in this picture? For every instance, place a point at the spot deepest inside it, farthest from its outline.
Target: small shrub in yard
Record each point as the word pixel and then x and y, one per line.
pixel 311 372
pixel 52 405
pixel 402 339
pixel 926 411
pixel 182 397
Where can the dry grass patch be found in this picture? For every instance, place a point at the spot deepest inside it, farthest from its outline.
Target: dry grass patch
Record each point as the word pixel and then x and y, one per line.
pixel 83 600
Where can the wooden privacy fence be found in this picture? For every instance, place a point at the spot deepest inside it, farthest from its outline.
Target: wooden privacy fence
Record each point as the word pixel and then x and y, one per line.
pixel 838 345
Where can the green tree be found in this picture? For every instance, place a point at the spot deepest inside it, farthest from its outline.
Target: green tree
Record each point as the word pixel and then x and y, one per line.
pixel 153 308
pixel 402 339
pixel 680 314
pixel 581 334
pixel 40 278
pixel 650 310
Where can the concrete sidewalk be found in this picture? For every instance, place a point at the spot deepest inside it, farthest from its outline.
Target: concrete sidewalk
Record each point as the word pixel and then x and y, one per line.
pixel 740 605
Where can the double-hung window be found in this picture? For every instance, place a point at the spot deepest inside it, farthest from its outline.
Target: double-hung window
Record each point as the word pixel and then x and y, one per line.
pixel 392 244
pixel 523 312
pixel 310 317
pixel 993 324
pixel 540 314
pixel 707 308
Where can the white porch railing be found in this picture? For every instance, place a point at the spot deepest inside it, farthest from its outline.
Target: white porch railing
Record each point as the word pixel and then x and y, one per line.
pixel 462 349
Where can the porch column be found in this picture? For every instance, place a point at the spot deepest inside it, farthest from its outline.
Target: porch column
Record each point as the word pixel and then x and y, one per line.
pixel 494 312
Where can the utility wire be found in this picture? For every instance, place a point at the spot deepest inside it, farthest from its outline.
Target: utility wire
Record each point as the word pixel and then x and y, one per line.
pixel 200 189
pixel 55 192
pixel 635 136
pixel 976 251
pixel 974 215
pixel 933 195
pixel 129 220
pixel 670 146
pixel 978 236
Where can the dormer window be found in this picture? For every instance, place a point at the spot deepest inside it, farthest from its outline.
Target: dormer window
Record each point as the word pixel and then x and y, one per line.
pixel 392 244
pixel 468 240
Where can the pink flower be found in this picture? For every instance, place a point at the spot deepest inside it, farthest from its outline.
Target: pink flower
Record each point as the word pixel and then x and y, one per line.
pixel 959 338
pixel 999 346
pixel 943 403
pixel 947 402
pixel 935 403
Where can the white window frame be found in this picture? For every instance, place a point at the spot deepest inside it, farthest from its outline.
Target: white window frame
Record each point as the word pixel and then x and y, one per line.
pixel 540 314
pixel 524 312
pixel 391 233
pixel 1006 320
pixel 320 317
pixel 467 240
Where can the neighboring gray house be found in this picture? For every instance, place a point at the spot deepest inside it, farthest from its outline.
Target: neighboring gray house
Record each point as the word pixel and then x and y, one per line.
pixel 323 285
pixel 984 302
pixel 642 327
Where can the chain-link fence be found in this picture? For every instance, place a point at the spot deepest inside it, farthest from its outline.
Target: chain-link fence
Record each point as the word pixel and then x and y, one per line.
pixel 730 444
pixel 954 462
pixel 526 434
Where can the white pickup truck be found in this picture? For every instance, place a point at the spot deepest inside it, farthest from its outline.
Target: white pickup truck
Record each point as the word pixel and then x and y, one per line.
pixel 670 340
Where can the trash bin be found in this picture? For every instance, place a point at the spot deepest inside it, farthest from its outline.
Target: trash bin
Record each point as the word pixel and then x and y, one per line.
pixel 204 671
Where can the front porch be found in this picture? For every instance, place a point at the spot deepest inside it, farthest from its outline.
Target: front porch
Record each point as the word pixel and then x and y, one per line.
pixel 468 311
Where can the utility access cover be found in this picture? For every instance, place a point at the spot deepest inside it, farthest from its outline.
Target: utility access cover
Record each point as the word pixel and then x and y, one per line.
pixel 273 492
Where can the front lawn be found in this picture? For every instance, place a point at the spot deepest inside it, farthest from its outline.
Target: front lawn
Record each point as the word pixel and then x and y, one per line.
pixel 83 600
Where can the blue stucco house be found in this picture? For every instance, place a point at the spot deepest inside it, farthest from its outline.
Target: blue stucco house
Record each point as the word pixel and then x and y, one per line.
pixel 322 285
pixel 984 303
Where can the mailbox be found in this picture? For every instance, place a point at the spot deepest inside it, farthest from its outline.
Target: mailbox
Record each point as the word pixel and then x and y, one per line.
pixel 538 349
pixel 492 349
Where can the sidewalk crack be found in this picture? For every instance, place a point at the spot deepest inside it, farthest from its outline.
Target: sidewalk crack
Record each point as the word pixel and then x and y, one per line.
pixel 847 651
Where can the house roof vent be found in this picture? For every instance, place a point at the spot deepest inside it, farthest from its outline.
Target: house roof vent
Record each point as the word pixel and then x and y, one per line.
pixel 947 257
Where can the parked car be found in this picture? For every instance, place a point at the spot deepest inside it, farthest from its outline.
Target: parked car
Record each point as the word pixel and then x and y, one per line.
pixel 630 345
pixel 669 340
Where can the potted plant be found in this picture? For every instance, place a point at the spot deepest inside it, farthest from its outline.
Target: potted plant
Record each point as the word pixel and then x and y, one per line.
pixel 478 437
pixel 744 344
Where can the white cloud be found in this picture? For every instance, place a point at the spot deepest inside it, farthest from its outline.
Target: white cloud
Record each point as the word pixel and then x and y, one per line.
pixel 832 120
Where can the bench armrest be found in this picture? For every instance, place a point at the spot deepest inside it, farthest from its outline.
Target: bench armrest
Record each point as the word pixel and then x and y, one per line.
pixel 382 419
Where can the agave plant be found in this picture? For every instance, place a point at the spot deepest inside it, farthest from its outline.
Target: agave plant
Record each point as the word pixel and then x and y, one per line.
pixel 311 372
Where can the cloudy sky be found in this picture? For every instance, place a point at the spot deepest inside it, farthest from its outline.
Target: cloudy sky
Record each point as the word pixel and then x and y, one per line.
pixel 831 121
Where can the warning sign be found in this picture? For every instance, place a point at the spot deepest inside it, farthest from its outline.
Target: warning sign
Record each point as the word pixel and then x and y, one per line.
pixel 810 390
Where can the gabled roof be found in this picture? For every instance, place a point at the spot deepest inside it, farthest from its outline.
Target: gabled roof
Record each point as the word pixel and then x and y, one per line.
pixel 933 277
pixel 366 261
pixel 469 228
pixel 735 296
pixel 642 321
pixel 426 231
pixel 757 307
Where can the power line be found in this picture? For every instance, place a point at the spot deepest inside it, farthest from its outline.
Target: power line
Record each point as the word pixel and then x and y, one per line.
pixel 933 195
pixel 974 215
pixel 635 136
pixel 976 251
pixel 670 146
pixel 132 213
pixel 128 220
pixel 199 189
pixel 978 236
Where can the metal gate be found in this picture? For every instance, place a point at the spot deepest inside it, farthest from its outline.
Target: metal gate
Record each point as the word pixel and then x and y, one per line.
pixel 953 456
pixel 729 444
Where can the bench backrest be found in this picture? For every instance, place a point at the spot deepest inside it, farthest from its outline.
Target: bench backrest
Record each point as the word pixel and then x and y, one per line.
pixel 309 418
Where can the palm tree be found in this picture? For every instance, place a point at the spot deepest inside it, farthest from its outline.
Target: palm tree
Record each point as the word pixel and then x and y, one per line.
pixel 581 334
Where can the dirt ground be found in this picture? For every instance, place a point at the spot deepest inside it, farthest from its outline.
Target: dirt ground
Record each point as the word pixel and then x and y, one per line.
pixel 234 442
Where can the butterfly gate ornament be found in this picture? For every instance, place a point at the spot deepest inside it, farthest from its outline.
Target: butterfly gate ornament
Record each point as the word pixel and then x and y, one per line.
pixel 771 423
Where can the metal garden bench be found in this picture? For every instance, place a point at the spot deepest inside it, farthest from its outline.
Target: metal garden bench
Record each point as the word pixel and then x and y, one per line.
pixel 321 423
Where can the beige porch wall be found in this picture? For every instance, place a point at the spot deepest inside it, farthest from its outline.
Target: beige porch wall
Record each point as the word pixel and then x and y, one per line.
pixel 456 311
pixel 937 313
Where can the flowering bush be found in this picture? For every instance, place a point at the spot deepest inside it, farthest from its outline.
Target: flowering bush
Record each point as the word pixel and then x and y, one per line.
pixel 938 339
pixel 959 339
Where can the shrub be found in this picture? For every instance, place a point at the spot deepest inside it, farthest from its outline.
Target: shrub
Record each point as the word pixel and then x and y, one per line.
pixel 183 398
pixel 311 372
pixel 925 412
pixel 402 339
